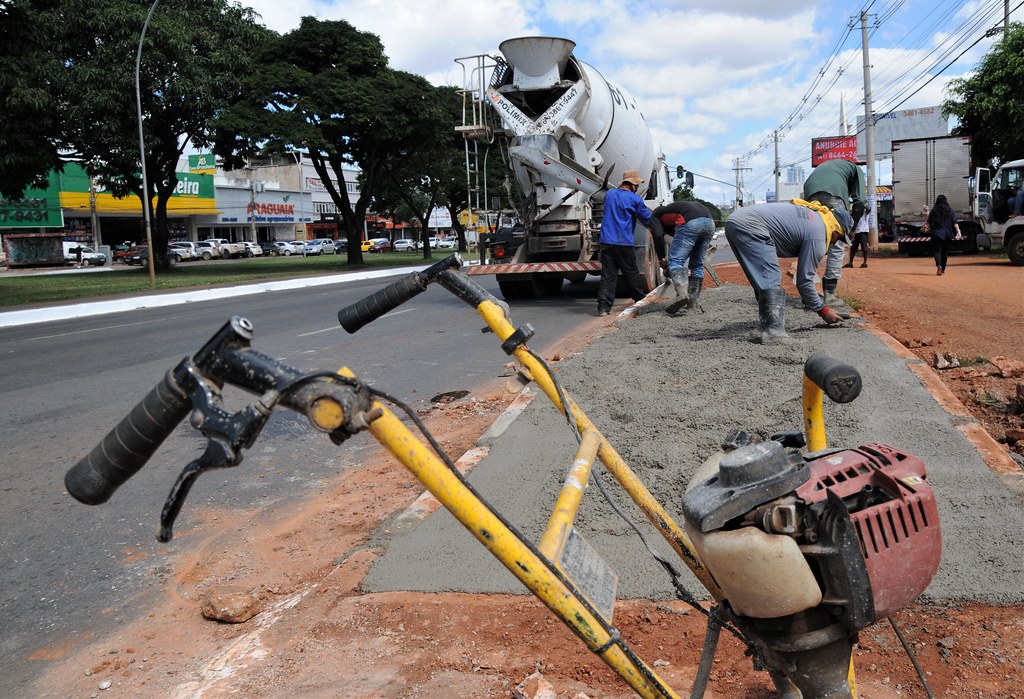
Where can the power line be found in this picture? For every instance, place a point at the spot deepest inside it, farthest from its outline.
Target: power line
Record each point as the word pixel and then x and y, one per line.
pixel 899 81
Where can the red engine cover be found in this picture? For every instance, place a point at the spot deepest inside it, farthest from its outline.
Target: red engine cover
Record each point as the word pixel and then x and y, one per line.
pixel 898 524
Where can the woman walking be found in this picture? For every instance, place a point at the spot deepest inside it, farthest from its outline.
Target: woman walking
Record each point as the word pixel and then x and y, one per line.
pixel 943 228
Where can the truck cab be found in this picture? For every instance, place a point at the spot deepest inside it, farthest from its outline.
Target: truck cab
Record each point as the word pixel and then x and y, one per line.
pixel 992 207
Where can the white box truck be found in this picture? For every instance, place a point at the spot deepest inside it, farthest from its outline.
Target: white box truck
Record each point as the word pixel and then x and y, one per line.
pixel 923 168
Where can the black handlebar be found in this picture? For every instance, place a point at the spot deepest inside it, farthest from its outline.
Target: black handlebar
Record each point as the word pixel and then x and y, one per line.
pixel 840 382
pixel 227 357
pixel 368 309
pixel 128 446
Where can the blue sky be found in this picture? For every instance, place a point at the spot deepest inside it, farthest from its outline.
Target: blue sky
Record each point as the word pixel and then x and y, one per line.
pixel 714 78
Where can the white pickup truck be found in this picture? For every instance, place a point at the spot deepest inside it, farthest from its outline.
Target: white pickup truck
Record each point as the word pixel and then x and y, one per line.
pixel 89 256
pixel 227 248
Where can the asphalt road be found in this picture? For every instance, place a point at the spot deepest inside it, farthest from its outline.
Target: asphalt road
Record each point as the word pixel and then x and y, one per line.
pixel 74 571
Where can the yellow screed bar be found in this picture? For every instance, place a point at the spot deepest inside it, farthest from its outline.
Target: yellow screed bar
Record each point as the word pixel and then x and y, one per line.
pixel 814 432
pixel 568 502
pixel 666 526
pixel 534 572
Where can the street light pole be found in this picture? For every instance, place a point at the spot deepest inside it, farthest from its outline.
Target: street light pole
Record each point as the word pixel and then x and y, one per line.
pixel 146 201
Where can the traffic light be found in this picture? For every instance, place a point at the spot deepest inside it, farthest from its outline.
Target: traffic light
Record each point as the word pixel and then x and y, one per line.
pixel 679 171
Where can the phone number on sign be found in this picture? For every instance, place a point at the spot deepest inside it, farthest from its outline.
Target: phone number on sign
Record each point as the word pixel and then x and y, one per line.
pixel 23 210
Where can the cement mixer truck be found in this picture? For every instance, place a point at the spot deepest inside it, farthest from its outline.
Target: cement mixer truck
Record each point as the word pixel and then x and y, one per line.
pixel 569 134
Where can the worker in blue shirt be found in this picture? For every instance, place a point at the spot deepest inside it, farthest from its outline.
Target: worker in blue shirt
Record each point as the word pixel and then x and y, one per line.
pixel 623 207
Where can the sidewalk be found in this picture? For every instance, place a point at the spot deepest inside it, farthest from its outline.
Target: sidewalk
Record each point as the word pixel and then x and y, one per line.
pixel 666 407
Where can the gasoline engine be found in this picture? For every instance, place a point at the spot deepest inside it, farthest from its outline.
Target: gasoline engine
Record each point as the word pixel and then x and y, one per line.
pixel 809 549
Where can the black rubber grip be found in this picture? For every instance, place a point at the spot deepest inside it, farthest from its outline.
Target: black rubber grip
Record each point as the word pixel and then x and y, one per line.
pixel 840 382
pixel 128 446
pixel 353 317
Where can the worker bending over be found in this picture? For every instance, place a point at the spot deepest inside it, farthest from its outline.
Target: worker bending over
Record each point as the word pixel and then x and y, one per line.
pixel 693 230
pixel 761 234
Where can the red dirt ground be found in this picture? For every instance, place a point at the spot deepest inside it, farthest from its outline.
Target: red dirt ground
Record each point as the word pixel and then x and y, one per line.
pixel 319 636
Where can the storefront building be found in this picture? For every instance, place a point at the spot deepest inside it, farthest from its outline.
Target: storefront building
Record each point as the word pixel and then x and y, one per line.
pixel 74 208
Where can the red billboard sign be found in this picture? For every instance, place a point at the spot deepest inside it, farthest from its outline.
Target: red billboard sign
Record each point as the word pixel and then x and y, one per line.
pixel 834 148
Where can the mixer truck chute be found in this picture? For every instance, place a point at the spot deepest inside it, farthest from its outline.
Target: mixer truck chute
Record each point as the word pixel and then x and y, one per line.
pixel 569 134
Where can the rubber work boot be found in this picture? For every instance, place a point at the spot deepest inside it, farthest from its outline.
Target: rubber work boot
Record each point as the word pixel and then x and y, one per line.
pixel 771 306
pixel 829 287
pixel 755 334
pixel 694 289
pixel 678 278
pixel 690 301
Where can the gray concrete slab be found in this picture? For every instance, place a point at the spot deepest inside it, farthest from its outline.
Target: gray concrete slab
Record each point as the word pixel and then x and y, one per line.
pixel 665 391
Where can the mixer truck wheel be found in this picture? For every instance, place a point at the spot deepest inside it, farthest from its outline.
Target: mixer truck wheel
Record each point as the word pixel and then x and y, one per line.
pixel 650 267
pixel 1015 249
pixel 551 284
pixel 522 287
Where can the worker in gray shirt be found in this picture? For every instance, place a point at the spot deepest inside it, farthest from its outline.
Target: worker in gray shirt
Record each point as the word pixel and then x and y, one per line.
pixel 763 233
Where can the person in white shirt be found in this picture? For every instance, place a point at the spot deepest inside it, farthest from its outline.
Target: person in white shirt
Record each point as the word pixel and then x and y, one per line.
pixel 860 239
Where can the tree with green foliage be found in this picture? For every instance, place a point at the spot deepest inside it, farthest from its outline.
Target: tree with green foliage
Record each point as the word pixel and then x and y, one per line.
pixel 325 89
pixel 192 58
pixel 684 193
pixel 418 171
pixel 989 103
pixel 30 123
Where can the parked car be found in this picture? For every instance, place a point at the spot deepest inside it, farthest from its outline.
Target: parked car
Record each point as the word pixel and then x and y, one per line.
pixel 447 244
pixel 404 244
pixel 226 247
pixel 186 250
pixel 134 255
pixel 382 245
pixel 369 242
pixel 321 246
pixel 281 247
pixel 208 250
pixel 89 256
pixel 252 250
pixel 119 251
pixel 140 256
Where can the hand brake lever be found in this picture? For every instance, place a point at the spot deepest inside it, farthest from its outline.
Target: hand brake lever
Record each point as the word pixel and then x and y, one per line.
pixel 227 434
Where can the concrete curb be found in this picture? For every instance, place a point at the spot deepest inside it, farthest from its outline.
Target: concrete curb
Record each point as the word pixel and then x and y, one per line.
pixel 991 452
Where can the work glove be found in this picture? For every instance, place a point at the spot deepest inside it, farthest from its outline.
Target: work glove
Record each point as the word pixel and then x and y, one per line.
pixel 830 316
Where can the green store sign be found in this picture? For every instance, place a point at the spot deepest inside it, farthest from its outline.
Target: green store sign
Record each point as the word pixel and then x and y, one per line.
pixel 39 208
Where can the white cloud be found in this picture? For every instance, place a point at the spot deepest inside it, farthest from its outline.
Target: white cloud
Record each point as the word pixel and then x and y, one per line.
pixel 714 78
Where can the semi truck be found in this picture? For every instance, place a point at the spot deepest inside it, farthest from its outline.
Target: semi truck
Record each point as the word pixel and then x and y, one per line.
pixel 923 168
pixel 569 134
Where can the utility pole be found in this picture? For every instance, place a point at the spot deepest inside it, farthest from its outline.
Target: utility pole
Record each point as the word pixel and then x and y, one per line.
pixel 778 172
pixel 739 183
pixel 94 219
pixel 252 203
pixel 869 134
